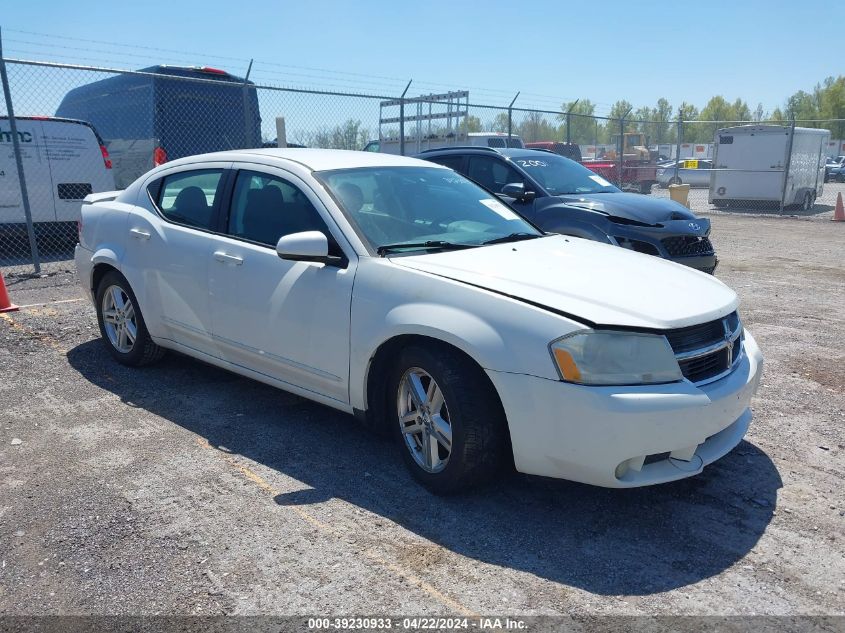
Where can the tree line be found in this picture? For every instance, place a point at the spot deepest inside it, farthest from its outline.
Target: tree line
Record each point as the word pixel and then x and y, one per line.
pixel 659 123
pixel 825 102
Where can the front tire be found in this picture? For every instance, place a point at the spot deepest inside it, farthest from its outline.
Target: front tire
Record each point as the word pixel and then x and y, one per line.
pixel 122 324
pixel 447 419
pixel 675 180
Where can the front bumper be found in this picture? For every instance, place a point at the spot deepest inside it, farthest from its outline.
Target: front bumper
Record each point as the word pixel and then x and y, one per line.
pixel 617 437
pixel 704 263
pixel 653 241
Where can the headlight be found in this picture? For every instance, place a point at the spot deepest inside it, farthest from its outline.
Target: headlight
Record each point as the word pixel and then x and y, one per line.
pixel 606 357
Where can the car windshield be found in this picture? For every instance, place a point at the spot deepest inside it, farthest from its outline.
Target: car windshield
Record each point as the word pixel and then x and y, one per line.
pixel 559 175
pixel 423 207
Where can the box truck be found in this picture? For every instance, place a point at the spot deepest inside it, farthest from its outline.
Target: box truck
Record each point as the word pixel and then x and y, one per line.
pixel 763 164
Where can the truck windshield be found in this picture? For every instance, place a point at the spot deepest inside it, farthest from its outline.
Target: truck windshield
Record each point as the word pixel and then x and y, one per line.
pixel 559 175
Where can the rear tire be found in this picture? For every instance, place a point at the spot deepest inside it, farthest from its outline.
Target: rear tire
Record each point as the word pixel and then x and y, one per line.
pixel 122 324
pixel 675 180
pixel 447 419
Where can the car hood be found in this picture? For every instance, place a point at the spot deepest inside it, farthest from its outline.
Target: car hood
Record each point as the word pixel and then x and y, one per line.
pixel 631 206
pixel 595 283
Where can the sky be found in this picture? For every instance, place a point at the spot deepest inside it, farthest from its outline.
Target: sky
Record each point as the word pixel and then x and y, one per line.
pixel 550 51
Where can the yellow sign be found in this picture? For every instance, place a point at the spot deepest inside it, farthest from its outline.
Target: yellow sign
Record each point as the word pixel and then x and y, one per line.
pixel 691 164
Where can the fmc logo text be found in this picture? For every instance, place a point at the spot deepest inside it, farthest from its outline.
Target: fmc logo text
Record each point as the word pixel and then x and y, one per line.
pixel 23 137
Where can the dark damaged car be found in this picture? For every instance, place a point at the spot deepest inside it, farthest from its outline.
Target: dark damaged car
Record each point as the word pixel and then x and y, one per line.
pixel 562 196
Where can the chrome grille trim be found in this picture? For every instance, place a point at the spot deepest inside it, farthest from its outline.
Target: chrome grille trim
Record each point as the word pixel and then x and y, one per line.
pixel 715 347
pixel 719 340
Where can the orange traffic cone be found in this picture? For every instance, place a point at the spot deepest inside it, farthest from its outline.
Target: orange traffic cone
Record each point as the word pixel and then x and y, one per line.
pixel 839 212
pixel 5 303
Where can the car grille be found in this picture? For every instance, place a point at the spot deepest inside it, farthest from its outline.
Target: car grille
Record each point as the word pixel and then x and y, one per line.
pixel 708 351
pixel 687 246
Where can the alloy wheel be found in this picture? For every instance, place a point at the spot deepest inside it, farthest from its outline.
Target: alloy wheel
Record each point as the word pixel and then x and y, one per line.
pixel 119 320
pixel 424 420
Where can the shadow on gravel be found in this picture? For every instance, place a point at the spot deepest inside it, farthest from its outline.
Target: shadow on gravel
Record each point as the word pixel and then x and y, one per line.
pixel 630 542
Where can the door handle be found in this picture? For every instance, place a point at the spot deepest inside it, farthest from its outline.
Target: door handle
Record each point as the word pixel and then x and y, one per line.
pixel 220 256
pixel 138 234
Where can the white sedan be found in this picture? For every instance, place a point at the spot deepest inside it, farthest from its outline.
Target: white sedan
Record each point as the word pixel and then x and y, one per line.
pixel 400 292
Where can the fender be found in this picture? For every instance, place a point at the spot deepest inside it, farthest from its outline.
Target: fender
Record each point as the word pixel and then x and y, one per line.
pixel 567 220
pixel 110 254
pixel 584 231
pixel 467 332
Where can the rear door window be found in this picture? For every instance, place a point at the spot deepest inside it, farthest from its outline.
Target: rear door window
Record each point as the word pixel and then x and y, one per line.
pixel 191 197
pixel 491 173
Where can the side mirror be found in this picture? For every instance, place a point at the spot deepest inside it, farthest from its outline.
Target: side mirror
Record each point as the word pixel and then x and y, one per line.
pixel 308 246
pixel 517 190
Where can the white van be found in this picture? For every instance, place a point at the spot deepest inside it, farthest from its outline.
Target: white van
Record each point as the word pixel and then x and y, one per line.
pixel 64 160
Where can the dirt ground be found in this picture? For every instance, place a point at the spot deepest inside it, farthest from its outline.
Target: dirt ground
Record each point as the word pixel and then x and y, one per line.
pixel 183 489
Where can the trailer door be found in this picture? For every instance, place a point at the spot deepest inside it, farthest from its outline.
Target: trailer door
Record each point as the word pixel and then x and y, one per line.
pixel 749 166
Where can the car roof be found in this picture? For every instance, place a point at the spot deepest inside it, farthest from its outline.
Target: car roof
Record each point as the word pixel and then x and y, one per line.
pixel 313 159
pixel 509 152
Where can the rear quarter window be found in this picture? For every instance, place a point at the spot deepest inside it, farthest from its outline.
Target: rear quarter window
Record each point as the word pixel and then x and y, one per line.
pixel 189 197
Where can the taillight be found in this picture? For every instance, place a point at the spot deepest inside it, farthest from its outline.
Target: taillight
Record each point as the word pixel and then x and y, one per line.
pixel 79 230
pixel 159 156
pixel 106 159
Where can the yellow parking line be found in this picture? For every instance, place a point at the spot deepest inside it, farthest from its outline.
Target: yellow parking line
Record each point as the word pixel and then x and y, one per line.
pixel 50 303
pixel 268 488
pixel 370 553
pixel 25 329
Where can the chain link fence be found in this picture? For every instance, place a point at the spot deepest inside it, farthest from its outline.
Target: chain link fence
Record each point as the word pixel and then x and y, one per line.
pixel 79 130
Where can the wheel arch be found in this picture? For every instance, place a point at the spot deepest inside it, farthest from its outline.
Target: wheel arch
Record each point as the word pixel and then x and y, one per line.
pixel 102 265
pixel 378 367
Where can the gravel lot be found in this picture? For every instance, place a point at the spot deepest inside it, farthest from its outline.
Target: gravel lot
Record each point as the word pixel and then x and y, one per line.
pixel 183 489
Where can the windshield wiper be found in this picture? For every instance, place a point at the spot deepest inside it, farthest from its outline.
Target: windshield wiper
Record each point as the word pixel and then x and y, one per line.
pixel 513 237
pixel 439 244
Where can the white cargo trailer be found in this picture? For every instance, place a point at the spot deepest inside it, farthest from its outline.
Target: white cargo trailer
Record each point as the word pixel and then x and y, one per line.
pixel 767 164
